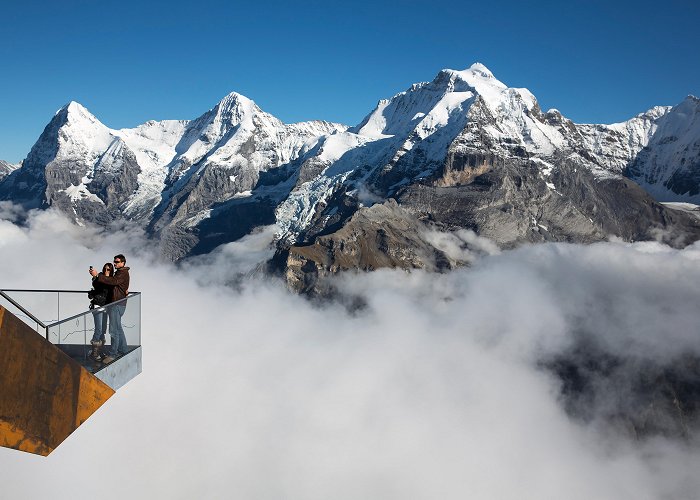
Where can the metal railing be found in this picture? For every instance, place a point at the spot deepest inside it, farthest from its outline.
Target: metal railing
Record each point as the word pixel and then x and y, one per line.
pixel 37 304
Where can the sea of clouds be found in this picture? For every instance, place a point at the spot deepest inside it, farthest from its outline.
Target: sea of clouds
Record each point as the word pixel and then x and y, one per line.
pixel 433 390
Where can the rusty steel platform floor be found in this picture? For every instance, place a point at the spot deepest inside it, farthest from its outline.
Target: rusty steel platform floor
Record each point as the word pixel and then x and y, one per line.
pixel 81 354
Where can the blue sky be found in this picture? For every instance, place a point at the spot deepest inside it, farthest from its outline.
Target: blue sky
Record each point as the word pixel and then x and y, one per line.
pixel 128 62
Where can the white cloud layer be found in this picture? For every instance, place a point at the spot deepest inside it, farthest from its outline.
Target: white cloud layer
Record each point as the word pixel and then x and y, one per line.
pixel 432 391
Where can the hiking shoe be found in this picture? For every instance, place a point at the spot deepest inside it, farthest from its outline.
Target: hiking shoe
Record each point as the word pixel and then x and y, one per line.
pixel 107 360
pixel 97 343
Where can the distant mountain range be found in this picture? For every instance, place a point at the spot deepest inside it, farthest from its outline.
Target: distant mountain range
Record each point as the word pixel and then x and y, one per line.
pixel 463 151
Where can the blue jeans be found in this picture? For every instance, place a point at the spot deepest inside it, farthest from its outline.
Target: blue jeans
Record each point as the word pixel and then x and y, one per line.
pixel 100 317
pixel 116 332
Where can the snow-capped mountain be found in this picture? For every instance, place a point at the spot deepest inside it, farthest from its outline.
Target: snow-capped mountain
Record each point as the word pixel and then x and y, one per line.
pixel 224 155
pixel 669 164
pixel 466 151
pixel 408 138
pixel 6 168
pixel 160 172
pixel 461 151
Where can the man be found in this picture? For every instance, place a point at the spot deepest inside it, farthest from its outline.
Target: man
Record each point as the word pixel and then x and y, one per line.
pixel 115 311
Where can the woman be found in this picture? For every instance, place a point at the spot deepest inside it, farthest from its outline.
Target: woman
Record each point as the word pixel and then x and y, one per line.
pixel 100 296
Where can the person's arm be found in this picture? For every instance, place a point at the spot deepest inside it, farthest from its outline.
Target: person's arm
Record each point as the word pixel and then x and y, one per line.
pixel 117 280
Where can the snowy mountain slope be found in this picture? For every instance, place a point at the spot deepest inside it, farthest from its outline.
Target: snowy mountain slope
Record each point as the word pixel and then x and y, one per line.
pixel 415 135
pixel 231 144
pixel 403 139
pixel 61 163
pixel 154 145
pixel 79 165
pixel 615 146
pixel 223 155
pixel 669 165
pixel 412 136
pixel 6 168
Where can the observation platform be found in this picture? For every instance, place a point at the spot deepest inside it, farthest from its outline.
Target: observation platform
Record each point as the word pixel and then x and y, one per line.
pixel 49 383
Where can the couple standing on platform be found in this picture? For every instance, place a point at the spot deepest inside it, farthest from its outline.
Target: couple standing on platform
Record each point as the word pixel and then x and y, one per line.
pixel 109 286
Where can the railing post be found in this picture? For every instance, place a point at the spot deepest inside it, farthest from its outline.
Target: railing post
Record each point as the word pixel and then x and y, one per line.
pixel 58 314
pixel 84 337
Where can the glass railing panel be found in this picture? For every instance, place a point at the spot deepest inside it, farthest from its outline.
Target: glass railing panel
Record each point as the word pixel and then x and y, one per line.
pixel 50 306
pixel 73 334
pixel 72 303
pixel 76 330
pixel 82 328
pixel 42 305
pixel 131 320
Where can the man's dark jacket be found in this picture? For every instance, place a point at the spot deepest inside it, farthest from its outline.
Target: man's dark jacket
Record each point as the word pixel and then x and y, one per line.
pixel 120 282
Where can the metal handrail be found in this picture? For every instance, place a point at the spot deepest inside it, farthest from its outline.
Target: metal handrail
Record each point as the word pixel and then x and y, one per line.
pixel 51 325
pixel 14 303
pixel 42 291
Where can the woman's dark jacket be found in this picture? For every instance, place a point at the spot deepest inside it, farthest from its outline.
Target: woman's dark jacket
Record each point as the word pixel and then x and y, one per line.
pixel 101 293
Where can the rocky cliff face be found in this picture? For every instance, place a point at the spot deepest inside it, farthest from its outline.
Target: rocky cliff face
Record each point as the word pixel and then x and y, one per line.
pixel 506 201
pixel 463 151
pixel 382 236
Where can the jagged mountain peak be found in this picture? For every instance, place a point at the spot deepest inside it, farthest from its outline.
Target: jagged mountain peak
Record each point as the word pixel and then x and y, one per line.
pixel 655 112
pixel 76 112
pixel 82 131
pixel 235 112
pixel 234 100
pixel 690 104
pixel 448 95
pixel 683 117
pixel 81 127
pixel 476 77
pixel 73 132
pixel 481 69
pixel 475 71
pixel 235 108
